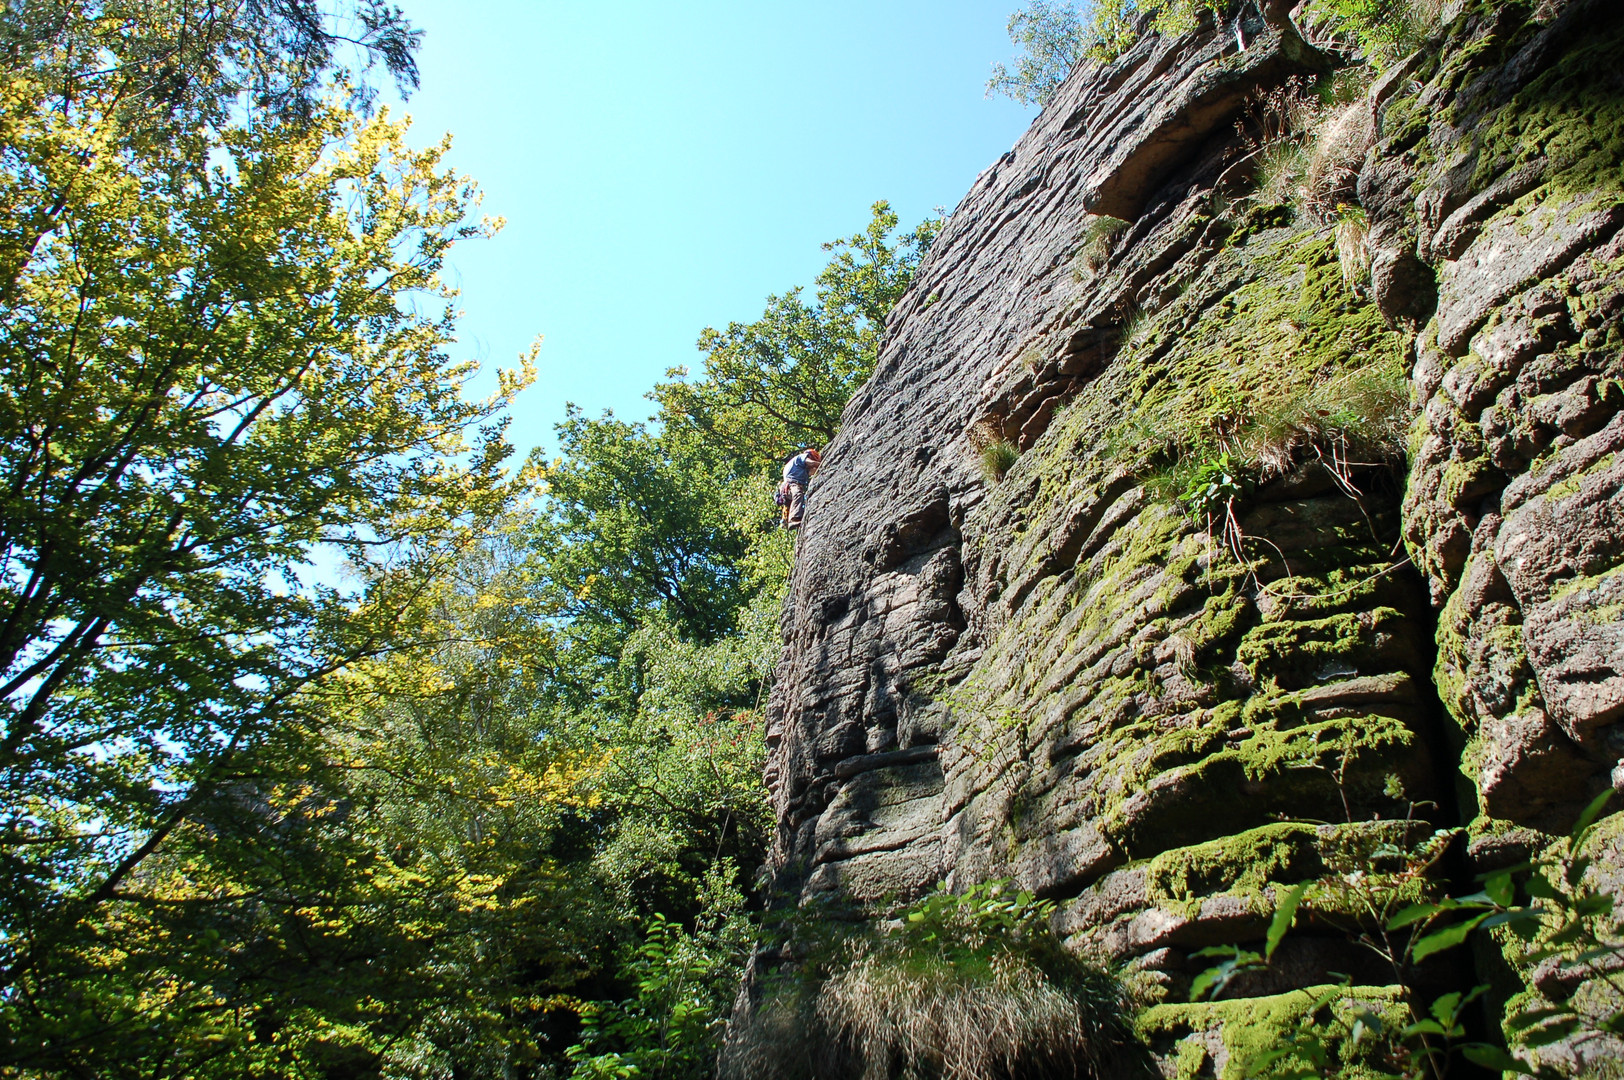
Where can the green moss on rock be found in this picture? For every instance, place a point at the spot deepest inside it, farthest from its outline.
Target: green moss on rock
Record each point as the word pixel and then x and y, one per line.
pixel 1251 864
pixel 1218 1039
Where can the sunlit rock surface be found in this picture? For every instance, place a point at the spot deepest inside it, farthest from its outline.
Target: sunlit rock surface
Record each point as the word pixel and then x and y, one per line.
pixel 1062 678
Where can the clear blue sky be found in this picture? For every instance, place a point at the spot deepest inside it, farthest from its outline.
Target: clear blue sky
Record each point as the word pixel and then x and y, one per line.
pixel 664 167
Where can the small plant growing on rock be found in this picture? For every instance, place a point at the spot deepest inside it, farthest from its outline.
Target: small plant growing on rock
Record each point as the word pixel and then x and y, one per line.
pixel 1357 420
pixel 1349 424
pixel 1099 238
pixel 1281 166
pixel 997 458
pixel 1352 249
pixel 1306 143
pixel 1210 495
pixel 1135 322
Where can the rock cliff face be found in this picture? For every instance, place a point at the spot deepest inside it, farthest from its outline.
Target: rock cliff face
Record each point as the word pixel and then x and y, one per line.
pixel 1157 710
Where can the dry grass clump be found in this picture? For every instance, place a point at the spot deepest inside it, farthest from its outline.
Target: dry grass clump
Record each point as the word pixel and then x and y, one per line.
pixel 997 458
pixel 1338 140
pixel 1273 126
pixel 935 1019
pixel 1307 143
pixel 972 987
pixel 1353 249
pixel 1348 425
pixel 1357 420
pixel 1099 239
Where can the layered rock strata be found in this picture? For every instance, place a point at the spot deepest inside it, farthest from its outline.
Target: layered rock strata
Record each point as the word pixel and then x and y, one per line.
pixel 1158 711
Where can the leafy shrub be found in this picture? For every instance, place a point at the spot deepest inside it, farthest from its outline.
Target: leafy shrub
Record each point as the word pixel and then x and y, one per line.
pixel 1182 16
pixel 1569 923
pixel 997 458
pixel 683 983
pixel 1214 486
pixel 1383 31
pixel 973 986
pixel 1210 492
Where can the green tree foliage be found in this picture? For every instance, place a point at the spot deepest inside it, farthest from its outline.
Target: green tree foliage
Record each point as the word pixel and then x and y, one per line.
pixel 496 778
pixel 684 984
pixel 1052 38
pixel 206 376
pixel 190 61
pixel 639 523
pixel 684 779
pixel 1055 37
pixel 658 575
pixel 517 845
pixel 783 380
pixel 221 351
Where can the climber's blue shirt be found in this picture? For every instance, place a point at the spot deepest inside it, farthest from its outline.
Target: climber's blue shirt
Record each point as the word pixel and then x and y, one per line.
pixel 798 469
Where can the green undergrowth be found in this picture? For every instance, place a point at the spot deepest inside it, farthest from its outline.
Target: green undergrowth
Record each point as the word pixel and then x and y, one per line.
pixel 1555 920
pixel 1580 927
pixel 972 985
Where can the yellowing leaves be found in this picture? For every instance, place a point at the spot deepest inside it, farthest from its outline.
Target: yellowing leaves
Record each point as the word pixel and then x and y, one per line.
pixel 570 780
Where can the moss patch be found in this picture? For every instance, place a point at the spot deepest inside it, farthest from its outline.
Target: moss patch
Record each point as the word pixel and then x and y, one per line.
pixel 1572 116
pixel 1250 864
pixel 1207 1039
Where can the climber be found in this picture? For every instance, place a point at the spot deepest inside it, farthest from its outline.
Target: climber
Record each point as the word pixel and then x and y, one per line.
pixel 798 472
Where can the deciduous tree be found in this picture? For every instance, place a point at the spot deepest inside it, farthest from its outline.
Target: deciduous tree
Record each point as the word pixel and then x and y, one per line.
pixel 783 380
pixel 220 353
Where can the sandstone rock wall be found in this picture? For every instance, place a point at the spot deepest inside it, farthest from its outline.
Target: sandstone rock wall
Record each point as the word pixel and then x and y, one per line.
pixel 1066 678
